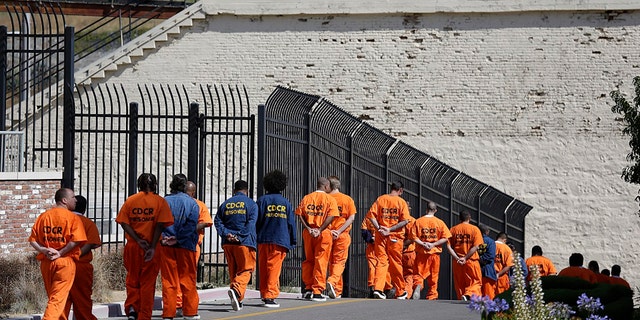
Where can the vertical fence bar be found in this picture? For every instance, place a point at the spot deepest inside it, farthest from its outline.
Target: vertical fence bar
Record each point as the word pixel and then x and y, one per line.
pixel 192 144
pixel 133 148
pixel 68 143
pixel 3 91
pixel 262 123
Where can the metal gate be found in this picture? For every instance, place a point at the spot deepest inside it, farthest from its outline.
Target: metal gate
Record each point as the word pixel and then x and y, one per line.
pixel 205 132
pixel 306 137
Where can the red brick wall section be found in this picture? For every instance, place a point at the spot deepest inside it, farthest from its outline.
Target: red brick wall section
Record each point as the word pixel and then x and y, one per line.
pixel 21 202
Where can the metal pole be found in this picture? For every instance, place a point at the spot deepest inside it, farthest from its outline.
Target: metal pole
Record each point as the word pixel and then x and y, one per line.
pixel 133 148
pixel 192 145
pixel 68 139
pixel 3 90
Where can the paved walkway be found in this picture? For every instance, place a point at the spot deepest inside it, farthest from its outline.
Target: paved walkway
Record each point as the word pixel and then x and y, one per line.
pixel 214 304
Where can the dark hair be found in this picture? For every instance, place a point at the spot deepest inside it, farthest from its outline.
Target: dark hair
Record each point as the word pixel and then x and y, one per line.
pixel 240 185
pixel 274 181
pixel 81 204
pixel 147 182
pixel 606 272
pixel 501 235
pixel 615 270
pixel 536 251
pixel 483 228
pixel 465 215
pixel 593 266
pixel 179 183
pixel 576 260
pixel 396 186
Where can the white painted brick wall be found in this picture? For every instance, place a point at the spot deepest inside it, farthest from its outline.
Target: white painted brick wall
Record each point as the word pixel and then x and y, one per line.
pixel 518 100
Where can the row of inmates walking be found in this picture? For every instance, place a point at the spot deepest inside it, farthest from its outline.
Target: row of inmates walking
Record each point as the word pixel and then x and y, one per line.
pixel 163 235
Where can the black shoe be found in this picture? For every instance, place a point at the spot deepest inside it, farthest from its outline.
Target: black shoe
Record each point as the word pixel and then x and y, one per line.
pixel 235 299
pixel 378 295
pixel 402 296
pixel 331 290
pixel 370 296
pixel 307 295
pixel 466 298
pixel 391 293
pixel 318 297
pixel 133 315
pixel 270 303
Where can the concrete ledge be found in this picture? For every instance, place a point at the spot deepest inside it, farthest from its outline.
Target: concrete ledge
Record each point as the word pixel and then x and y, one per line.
pixel 12 176
pixel 294 7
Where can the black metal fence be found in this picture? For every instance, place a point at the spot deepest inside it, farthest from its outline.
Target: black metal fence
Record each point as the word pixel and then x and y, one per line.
pixel 306 137
pixel 205 132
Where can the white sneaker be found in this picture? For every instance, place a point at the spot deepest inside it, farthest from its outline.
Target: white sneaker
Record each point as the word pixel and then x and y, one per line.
pixel 331 291
pixel 378 295
pixel 318 297
pixel 196 317
pixel 416 292
pixel 235 302
pixel 307 295
pixel 402 296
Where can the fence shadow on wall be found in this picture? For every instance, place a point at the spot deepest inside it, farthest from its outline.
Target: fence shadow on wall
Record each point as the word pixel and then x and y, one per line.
pixel 306 136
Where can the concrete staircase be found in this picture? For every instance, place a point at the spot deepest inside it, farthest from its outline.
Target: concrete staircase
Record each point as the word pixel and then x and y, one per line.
pixel 139 47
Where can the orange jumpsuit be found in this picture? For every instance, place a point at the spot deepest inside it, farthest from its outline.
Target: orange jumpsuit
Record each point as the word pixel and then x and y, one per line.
pixel 409 260
pixel 579 272
pixel 389 210
pixel 618 280
pixel 429 229
pixel 467 277
pixel 205 217
pixel 80 294
pixel 370 253
pixel 142 211
pixel 314 209
pixel 504 258
pixel 55 228
pixel 340 246
pixel 545 266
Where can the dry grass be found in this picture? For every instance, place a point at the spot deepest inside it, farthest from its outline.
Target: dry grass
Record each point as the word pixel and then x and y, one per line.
pixel 109 276
pixel 24 292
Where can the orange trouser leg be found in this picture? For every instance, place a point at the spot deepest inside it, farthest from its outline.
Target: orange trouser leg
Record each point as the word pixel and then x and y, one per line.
pixel 270 258
pixel 187 275
pixel 382 266
pixel 433 274
pixel 242 262
pixel 408 263
pixel 80 294
pixel 394 252
pixel 371 262
pixel 314 267
pixel 141 280
pixel 338 260
pixel 467 278
pixel 502 284
pixel 488 287
pixel 58 276
pixel 170 280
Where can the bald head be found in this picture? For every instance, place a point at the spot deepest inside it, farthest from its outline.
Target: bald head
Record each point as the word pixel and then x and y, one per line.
pixel 190 189
pixel 432 207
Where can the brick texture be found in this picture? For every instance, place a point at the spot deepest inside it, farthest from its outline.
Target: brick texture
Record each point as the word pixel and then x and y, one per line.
pixel 518 100
pixel 22 202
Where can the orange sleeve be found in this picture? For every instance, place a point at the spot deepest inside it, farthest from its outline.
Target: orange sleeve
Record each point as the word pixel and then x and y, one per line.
pixel 204 216
pixel 509 259
pixel 91 230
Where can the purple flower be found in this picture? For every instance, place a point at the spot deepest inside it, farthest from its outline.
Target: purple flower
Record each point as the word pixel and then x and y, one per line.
pixel 589 304
pixel 558 310
pixel 501 304
pixel 597 317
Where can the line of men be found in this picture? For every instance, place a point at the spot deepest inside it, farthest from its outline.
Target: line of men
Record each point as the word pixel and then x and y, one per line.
pixel 163 236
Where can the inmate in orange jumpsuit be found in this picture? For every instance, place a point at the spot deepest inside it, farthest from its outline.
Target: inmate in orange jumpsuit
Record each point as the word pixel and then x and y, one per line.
pixel 80 294
pixel 430 229
pixel 55 228
pixel 142 211
pixel 204 217
pixel 466 277
pixel 620 281
pixel 504 258
pixel 409 259
pixel 389 210
pixel 340 246
pixel 314 209
pixel 545 266
pixel 579 272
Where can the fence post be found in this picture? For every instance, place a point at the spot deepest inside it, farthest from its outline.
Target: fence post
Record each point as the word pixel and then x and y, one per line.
pixel 192 145
pixel 3 91
pixel 68 137
pixel 133 148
